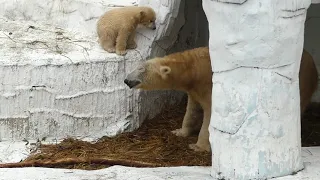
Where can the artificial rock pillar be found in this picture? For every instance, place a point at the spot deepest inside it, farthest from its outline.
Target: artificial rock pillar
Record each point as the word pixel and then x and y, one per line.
pixel 255 48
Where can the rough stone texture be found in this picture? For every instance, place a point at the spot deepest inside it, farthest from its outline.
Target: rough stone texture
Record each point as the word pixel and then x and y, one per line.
pixel 255 122
pixel 312 44
pixel 57 82
pixel 75 15
pixel 194 33
pixel 310 155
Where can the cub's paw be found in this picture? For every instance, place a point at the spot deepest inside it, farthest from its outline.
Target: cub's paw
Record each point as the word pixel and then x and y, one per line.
pixel 132 45
pixel 197 148
pixel 181 132
pixel 121 52
pixel 110 50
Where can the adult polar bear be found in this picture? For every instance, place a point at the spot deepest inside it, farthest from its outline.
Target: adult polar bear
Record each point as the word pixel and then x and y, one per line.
pixel 190 71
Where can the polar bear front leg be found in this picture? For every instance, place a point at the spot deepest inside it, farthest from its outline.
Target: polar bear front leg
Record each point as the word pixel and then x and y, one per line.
pixel 131 43
pixel 203 143
pixel 192 119
pixel 121 43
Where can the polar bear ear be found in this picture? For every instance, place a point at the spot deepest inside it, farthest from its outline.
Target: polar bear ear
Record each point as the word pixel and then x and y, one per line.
pixel 142 13
pixel 164 71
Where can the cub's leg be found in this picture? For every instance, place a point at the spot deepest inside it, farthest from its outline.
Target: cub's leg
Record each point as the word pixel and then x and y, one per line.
pixel 122 39
pixel 107 40
pixel 108 45
pixel 203 143
pixel 131 43
pixel 192 119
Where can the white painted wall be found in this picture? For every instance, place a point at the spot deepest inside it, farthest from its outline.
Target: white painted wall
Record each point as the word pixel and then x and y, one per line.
pixel 312 40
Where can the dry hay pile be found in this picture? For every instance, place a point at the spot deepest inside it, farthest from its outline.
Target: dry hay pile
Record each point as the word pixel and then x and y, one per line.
pixel 152 145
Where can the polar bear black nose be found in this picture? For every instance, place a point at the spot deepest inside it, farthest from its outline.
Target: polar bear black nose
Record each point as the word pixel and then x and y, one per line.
pixel 131 83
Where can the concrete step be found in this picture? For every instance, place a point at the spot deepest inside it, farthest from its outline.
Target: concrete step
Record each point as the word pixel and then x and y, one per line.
pixel 59 83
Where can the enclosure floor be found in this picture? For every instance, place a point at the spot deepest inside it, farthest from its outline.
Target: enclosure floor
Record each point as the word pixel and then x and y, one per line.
pixel 310 157
pixel 152 145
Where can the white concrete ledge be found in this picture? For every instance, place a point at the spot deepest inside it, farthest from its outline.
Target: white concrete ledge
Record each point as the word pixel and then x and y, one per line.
pixel 57 83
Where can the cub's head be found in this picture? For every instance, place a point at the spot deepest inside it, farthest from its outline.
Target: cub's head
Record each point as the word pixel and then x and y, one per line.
pixel 148 17
pixel 151 75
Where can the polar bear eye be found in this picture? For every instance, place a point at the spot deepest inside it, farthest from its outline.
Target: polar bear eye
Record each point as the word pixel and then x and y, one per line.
pixel 141 69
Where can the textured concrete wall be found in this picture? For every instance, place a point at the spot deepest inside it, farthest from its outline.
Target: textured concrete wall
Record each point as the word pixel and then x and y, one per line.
pixel 256 49
pixel 56 80
pixel 194 33
pixel 312 40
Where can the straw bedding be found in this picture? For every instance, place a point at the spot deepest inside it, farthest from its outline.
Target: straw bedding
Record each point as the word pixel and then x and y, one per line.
pixel 152 145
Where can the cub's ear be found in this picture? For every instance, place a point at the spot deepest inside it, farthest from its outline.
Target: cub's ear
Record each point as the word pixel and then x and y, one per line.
pixel 142 13
pixel 164 71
